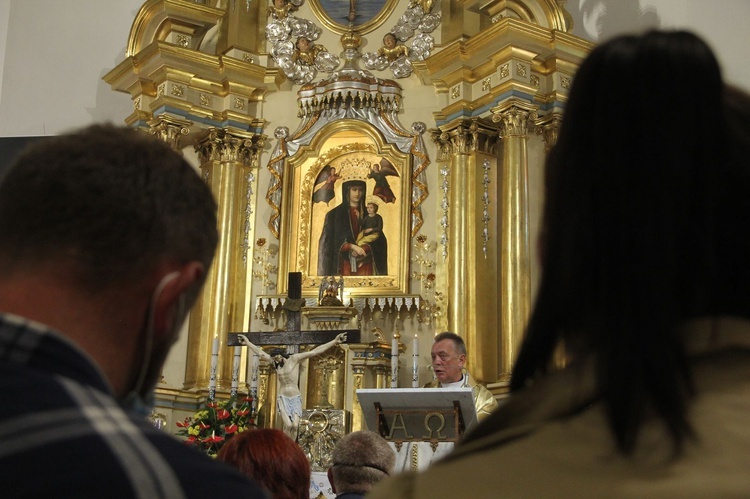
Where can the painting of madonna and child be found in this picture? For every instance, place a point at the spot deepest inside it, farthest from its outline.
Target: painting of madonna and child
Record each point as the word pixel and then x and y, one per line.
pixel 356 218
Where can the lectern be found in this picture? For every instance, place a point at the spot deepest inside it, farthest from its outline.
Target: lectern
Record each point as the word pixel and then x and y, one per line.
pixel 421 424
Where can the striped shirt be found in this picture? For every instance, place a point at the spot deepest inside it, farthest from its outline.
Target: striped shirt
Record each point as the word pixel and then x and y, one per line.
pixel 63 434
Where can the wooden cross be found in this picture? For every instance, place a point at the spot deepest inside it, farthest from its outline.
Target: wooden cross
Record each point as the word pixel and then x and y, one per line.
pixel 293 336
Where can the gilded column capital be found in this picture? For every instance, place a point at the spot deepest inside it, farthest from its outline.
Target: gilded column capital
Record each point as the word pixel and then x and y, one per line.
pixel 464 137
pixel 549 127
pixel 234 146
pixel 513 117
pixel 169 129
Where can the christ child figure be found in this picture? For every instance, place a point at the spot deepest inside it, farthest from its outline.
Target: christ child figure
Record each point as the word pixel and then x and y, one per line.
pixel 370 229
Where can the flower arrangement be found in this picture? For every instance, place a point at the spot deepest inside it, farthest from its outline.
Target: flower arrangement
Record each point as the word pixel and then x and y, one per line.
pixel 216 422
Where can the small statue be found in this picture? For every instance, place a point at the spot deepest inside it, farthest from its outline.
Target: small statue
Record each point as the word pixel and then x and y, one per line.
pixel 306 51
pixel 425 4
pixel 391 50
pixel 329 292
pixel 280 9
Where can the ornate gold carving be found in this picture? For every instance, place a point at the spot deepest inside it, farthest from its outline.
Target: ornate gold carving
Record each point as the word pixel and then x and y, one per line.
pixel 169 129
pixel 239 103
pixel 456 92
pixel 535 80
pixel 520 70
pixel 565 81
pixel 463 137
pixel 205 100
pixel 230 146
pixel 137 103
pixel 183 40
pixel 549 127
pixel 264 264
pixel 486 207
pixel 486 84
pixel 513 117
pixel 414 457
pixel 161 89
pixel 505 70
pixel 319 431
pixel 178 90
pixel 248 58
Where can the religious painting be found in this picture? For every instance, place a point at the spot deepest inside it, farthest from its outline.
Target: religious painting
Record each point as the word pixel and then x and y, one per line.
pixel 363 15
pixel 351 216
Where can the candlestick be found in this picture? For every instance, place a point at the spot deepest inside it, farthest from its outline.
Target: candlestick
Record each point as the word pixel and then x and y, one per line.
pixel 214 367
pixel 236 371
pixel 415 363
pixel 394 361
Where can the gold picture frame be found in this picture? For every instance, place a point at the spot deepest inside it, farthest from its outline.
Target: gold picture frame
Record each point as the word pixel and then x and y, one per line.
pixel 369 14
pixel 355 150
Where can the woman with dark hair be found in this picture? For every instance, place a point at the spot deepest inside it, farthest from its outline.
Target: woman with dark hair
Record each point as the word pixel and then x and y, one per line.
pixel 644 287
pixel 273 459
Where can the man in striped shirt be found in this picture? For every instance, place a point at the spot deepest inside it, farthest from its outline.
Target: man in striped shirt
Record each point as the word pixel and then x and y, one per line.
pixel 106 238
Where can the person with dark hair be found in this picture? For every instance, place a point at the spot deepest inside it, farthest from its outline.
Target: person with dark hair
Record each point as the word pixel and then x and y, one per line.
pixel 359 461
pixel 337 244
pixel 287 375
pixel 271 458
pixel 644 288
pixel 107 235
pixel 448 360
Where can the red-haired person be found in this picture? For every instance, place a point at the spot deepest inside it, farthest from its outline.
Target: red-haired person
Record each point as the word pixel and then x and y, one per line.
pixel 273 459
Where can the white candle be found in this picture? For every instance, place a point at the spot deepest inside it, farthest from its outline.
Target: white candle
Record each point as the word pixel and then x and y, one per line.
pixel 214 368
pixel 415 363
pixel 236 371
pixel 394 363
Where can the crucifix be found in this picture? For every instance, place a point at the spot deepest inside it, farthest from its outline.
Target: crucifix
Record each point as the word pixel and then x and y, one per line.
pixel 286 361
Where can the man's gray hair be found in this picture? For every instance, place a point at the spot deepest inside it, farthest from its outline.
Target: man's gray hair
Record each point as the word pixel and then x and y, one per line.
pixel 458 342
pixel 360 460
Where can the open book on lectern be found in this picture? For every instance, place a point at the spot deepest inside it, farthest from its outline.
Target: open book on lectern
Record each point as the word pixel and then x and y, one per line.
pixel 415 406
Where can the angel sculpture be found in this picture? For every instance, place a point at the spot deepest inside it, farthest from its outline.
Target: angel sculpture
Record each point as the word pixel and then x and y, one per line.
pixel 323 189
pixel 331 291
pixel 280 9
pixel 391 50
pixel 306 51
pixel 379 172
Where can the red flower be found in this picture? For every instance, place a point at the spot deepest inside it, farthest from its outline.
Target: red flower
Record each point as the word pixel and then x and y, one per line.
pixel 223 414
pixel 204 426
pixel 212 405
pixel 184 424
pixel 230 429
pixel 213 439
pixel 190 440
pixel 243 412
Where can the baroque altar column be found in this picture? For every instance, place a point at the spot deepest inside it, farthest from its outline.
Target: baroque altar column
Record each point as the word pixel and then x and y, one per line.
pixel 515 264
pixel 469 150
pixel 229 161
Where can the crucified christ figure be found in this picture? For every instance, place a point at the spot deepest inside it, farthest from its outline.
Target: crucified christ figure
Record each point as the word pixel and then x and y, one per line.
pixel 287 373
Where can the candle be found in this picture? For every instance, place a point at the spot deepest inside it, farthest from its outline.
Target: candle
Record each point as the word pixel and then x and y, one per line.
pixel 214 367
pixel 394 363
pixel 415 363
pixel 236 371
pixel 254 379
